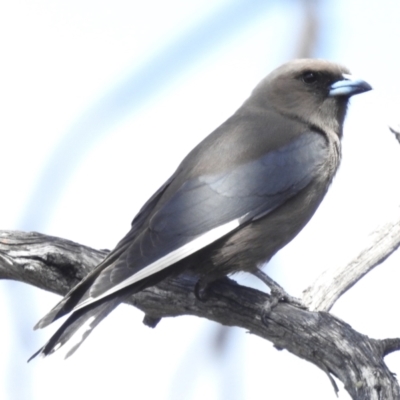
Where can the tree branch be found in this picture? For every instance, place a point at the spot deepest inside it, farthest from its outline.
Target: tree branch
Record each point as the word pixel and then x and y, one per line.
pixel 57 264
pixel 333 283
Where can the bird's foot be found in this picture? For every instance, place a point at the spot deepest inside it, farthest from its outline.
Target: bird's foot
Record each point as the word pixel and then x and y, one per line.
pixel 277 295
pixel 203 289
pixel 280 296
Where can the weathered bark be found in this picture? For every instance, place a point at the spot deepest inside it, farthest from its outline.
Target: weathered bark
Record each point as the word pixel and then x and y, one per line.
pixel 56 265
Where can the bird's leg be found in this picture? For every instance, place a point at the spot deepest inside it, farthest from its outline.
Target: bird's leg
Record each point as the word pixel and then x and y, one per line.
pixel 278 294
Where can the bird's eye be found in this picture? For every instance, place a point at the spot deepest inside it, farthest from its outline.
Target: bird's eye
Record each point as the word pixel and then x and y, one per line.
pixel 309 77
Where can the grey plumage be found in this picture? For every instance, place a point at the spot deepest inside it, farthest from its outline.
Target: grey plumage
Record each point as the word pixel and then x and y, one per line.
pixel 235 200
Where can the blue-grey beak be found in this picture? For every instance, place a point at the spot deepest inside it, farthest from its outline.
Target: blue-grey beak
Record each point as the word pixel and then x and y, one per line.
pixel 349 86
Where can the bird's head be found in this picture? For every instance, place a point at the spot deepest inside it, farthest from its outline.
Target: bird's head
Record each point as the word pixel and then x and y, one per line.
pixel 313 91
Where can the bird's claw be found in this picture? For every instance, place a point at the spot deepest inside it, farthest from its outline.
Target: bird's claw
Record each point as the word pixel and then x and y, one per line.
pixel 278 294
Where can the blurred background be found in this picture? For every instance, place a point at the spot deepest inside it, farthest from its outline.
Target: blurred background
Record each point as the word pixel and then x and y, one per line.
pixel 101 100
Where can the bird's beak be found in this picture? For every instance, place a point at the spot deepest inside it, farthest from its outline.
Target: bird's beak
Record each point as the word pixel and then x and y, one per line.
pixel 348 86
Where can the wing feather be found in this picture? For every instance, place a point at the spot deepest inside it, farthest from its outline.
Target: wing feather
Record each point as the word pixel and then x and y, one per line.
pixel 206 208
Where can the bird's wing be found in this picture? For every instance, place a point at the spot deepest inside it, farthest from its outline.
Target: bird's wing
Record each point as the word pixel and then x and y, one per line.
pixel 208 207
pixel 172 226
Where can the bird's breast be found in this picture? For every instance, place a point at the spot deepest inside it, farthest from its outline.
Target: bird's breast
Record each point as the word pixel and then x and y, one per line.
pixel 258 241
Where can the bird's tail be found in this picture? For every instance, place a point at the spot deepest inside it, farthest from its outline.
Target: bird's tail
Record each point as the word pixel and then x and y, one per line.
pixel 79 326
pixel 83 320
pixel 74 296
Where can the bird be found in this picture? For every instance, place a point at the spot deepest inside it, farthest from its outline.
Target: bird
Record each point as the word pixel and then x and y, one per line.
pixel 235 200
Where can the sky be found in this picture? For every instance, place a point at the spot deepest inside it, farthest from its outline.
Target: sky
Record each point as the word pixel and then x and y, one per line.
pixel 100 102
